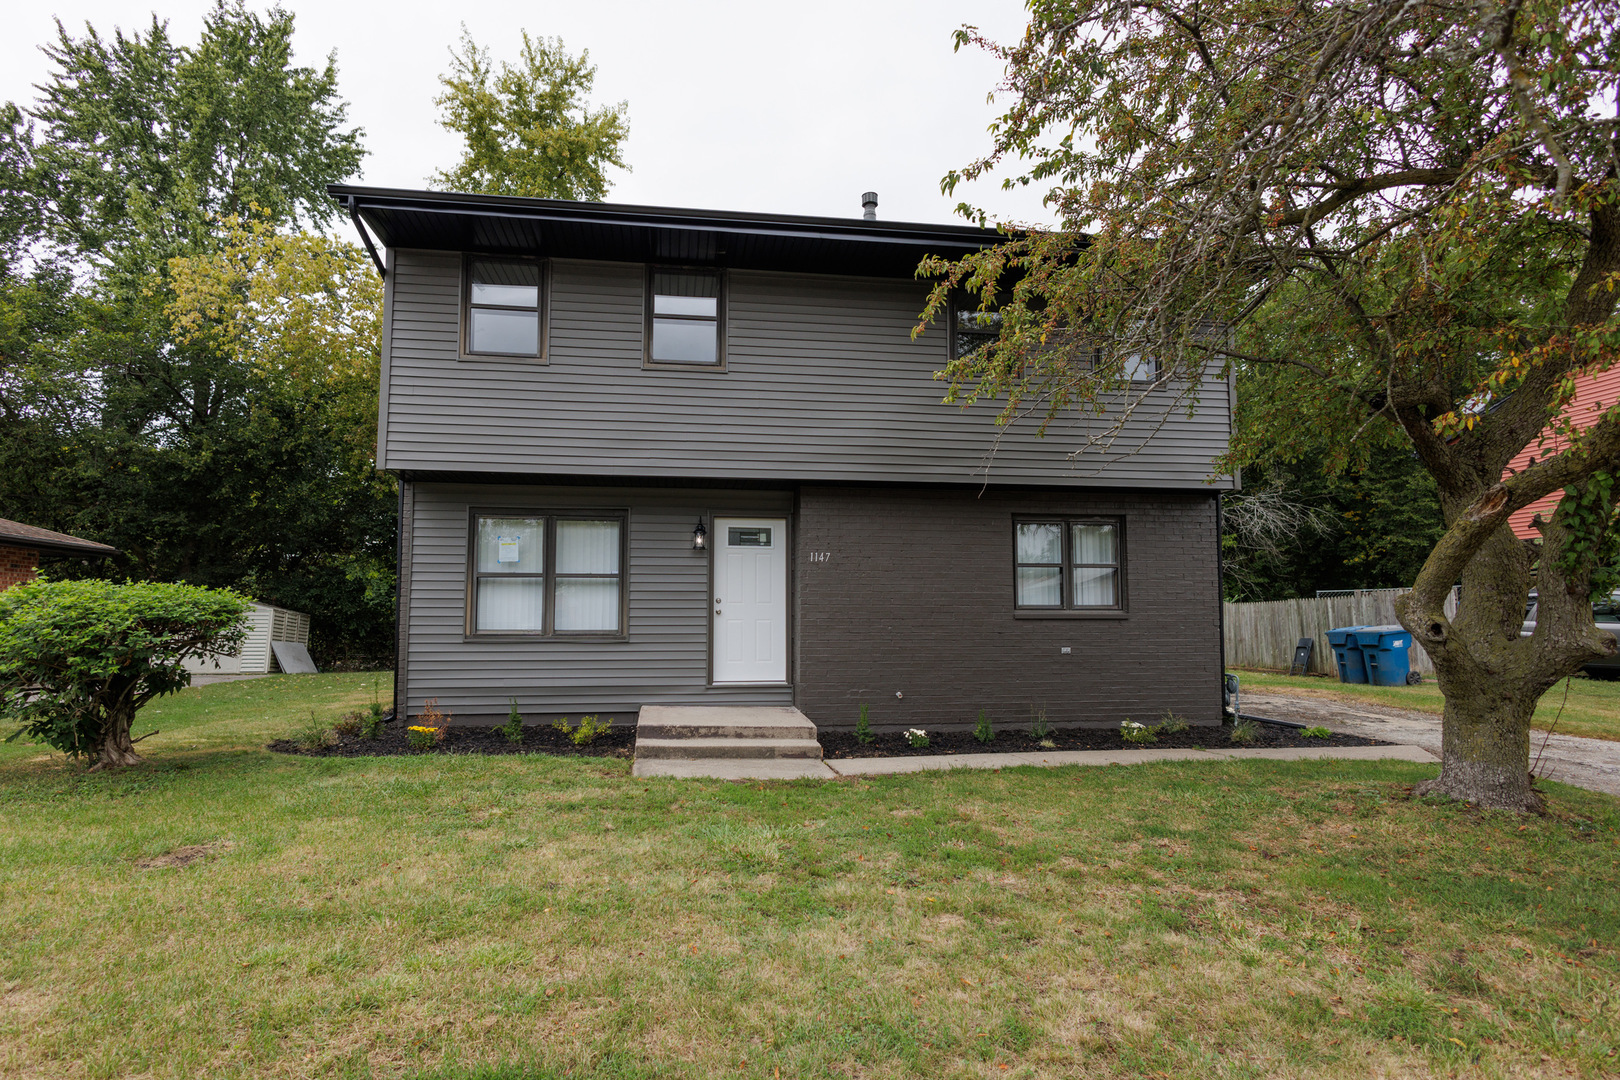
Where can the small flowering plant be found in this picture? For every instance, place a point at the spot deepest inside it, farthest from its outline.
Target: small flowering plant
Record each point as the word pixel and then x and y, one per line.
pixel 917 737
pixel 430 731
pixel 424 738
pixel 1136 734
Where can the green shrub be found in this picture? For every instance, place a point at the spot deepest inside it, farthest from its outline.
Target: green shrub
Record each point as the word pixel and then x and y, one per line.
pixel 513 728
pixel 78 659
pixel 562 725
pixel 1137 734
pixel 1244 732
pixel 589 728
pixel 982 730
pixel 917 737
pixel 863 726
pixel 1038 727
pixel 314 734
pixel 1317 733
pixel 350 723
pixel 1170 725
pixel 371 723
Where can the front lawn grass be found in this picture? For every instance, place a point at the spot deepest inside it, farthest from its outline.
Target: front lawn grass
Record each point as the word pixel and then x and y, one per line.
pixel 1592 707
pixel 505 917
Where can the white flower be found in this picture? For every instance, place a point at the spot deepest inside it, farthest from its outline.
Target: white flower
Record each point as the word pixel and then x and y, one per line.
pixel 916 731
pixel 1132 725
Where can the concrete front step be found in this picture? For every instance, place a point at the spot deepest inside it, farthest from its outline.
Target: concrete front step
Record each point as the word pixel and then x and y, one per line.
pixel 722 722
pixel 707 740
pixel 734 769
pixel 702 749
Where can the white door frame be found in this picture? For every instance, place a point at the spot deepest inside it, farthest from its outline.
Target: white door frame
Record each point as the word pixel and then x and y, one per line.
pixel 719 526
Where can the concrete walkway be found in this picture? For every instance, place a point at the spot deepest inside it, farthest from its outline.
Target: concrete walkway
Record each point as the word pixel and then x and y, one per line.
pixel 834 768
pixel 1593 764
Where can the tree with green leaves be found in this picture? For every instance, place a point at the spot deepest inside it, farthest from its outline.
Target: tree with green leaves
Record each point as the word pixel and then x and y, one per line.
pixel 236 454
pixel 78 659
pixel 141 142
pixel 529 128
pixel 1402 218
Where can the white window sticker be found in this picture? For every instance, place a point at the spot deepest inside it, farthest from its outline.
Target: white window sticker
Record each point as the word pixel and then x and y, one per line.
pixel 508 549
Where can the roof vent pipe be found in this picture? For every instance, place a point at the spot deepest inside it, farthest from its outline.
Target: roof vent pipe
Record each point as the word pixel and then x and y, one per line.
pixel 869 206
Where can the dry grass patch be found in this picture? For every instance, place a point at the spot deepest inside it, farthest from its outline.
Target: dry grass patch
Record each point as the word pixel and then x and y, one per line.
pixel 183 856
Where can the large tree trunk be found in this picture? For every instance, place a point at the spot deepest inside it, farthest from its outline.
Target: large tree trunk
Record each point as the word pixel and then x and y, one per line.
pixel 1485 747
pixel 116 747
pixel 1490 674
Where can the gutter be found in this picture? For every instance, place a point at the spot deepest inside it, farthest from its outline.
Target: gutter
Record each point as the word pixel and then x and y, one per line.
pixel 365 237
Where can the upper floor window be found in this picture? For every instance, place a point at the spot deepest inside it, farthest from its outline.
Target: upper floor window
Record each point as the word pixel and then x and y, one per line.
pixel 1141 369
pixel 971 328
pixel 503 308
pixel 1067 563
pixel 686 318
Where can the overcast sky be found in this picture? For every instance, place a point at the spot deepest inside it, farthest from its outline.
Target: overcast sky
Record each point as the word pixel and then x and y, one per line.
pixel 790 108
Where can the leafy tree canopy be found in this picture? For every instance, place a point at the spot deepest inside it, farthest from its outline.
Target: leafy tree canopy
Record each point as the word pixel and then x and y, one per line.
pixel 1402 217
pixel 528 127
pixel 142 142
pixel 79 658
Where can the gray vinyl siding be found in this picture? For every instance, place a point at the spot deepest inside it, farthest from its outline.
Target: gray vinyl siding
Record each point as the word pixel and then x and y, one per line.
pixel 665 659
pixel 823 382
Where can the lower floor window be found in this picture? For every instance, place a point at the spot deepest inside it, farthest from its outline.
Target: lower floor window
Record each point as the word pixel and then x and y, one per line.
pixel 1067 563
pixel 548 574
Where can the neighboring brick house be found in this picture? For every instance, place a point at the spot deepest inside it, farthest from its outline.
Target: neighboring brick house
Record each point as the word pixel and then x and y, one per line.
pixel 653 456
pixel 1594 395
pixel 22 545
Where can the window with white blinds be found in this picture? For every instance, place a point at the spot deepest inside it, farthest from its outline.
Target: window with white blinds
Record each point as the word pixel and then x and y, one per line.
pixel 547 575
pixel 1067 564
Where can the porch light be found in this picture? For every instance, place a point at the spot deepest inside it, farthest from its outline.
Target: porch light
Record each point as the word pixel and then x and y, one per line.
pixel 700 537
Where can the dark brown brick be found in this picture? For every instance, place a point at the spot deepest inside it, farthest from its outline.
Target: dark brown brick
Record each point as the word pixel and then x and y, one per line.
pixel 917 597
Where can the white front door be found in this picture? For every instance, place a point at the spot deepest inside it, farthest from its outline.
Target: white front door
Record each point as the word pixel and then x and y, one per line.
pixel 750 600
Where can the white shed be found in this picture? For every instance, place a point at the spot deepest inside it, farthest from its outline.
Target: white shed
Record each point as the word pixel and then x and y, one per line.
pixel 266 623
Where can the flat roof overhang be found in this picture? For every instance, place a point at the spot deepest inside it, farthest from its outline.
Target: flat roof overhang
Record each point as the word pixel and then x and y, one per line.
pixel 558 228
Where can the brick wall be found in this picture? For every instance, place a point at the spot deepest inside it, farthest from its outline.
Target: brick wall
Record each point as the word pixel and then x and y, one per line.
pixel 916 595
pixel 18 565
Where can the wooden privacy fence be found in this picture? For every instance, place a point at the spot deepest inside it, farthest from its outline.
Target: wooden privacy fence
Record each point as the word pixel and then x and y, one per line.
pixel 1264 634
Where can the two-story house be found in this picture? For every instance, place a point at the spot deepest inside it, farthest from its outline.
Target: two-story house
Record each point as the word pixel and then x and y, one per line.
pixel 661 456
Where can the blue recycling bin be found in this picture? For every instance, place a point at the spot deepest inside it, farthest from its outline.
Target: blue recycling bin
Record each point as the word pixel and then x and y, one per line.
pixel 1384 652
pixel 1347 651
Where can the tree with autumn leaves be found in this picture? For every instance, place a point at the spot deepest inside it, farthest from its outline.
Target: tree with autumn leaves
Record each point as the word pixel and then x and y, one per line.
pixel 1400 220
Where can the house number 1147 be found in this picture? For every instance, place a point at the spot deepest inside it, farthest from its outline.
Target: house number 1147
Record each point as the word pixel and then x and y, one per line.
pixel 820 556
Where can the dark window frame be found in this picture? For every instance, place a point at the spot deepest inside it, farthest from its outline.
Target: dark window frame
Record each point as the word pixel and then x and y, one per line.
pixel 964 301
pixel 548 631
pixel 542 310
pixel 1068 609
pixel 721 291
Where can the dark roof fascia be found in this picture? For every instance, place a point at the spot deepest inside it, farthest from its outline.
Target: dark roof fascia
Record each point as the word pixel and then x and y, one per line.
pixel 505 226
pixel 56 544
pixel 357 198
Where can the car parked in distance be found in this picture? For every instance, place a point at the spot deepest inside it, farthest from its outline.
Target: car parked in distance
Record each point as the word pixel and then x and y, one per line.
pixel 1606 613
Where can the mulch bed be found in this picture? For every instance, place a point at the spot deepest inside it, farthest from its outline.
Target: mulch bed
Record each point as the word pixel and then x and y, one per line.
pixel 843 744
pixel 620 741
